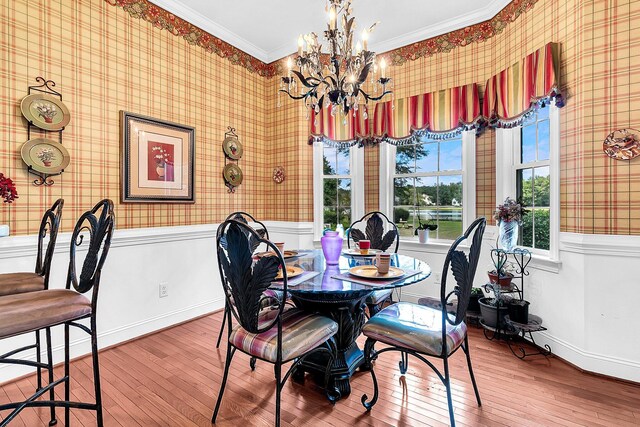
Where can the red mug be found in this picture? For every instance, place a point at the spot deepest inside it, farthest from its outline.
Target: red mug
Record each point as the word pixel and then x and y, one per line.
pixel 364 246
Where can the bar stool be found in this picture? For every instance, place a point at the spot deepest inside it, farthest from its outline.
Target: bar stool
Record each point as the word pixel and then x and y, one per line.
pixel 33 311
pixel 22 282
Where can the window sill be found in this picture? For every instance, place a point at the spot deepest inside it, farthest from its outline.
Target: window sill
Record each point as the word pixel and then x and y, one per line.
pixel 544 263
pixel 433 246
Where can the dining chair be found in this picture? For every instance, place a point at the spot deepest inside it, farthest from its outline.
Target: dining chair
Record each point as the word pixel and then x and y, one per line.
pixel 375 224
pixel 23 282
pixel 423 332
pixel 276 334
pixel 262 232
pixel 34 311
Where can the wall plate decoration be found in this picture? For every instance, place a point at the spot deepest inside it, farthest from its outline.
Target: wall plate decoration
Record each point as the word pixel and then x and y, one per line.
pixel 232 147
pixel 232 176
pixel 278 175
pixel 45 111
pixel 623 144
pixel 45 156
pixel 157 160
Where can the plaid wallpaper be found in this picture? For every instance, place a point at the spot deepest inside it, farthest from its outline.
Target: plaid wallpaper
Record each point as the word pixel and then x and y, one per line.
pixel 103 60
pixel 600 78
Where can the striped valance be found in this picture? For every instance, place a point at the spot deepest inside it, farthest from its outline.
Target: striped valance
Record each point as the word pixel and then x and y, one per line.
pixel 339 129
pixel 514 92
pixel 438 115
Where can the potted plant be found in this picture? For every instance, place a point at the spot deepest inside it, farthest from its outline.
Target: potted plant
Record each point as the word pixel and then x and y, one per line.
pixel 493 310
pixel 423 228
pixel 502 273
pixel 476 294
pixel 8 194
pixel 509 215
pixel 519 311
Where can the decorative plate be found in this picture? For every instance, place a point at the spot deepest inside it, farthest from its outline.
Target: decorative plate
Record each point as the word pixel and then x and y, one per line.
pixel 278 175
pixel 45 111
pixel 285 255
pixel 291 272
pixel 232 174
pixel 232 147
pixel 623 144
pixel 371 272
pixel 45 155
pixel 356 252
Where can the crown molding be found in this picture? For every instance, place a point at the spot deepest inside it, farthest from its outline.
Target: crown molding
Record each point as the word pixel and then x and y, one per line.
pixel 444 27
pixel 195 18
pixel 179 9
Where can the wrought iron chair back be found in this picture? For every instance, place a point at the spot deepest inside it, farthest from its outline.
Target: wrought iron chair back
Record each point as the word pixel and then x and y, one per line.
pixel 244 281
pixel 375 232
pixel 98 224
pixel 246 218
pixel 464 271
pixel 49 225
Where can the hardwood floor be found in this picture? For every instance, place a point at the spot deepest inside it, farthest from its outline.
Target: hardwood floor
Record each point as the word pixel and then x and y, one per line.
pixel 172 379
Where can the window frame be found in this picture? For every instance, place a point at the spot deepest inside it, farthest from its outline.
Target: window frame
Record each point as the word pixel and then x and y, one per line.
pixel 387 174
pixel 508 145
pixel 356 175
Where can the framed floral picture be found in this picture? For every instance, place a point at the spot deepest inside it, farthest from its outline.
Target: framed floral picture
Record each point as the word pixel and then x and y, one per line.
pixel 157 160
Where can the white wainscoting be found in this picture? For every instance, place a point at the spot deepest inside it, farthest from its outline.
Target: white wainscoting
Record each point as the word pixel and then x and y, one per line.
pixel 588 300
pixel 139 260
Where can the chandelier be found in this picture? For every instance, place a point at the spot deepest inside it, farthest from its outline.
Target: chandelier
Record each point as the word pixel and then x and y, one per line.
pixel 337 78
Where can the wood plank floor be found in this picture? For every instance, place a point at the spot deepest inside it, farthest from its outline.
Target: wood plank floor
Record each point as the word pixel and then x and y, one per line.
pixel 172 378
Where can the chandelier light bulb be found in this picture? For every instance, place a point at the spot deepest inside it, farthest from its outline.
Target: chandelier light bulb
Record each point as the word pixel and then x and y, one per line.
pixel 359 48
pixel 300 44
pixel 383 68
pixel 365 38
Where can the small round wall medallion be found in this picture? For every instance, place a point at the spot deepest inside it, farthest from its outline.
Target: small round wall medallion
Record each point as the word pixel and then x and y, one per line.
pixel 623 144
pixel 278 175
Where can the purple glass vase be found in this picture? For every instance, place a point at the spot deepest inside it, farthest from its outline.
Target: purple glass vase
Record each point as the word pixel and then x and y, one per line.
pixel 331 247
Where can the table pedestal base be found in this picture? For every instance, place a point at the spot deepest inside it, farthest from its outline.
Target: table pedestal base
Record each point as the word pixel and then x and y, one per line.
pixel 349 314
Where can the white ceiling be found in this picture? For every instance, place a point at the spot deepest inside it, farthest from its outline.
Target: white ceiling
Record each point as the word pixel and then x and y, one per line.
pixel 268 29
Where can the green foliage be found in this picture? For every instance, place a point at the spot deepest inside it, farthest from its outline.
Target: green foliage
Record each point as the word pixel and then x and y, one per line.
pixel 400 214
pixel 542 229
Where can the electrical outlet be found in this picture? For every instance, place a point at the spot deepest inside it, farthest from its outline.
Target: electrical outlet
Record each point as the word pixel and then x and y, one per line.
pixel 164 289
pixel 437 278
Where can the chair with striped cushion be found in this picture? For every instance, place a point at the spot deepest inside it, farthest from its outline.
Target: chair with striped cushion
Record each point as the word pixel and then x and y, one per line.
pixel 23 282
pixel 383 235
pixel 278 333
pixel 262 231
pixel 422 331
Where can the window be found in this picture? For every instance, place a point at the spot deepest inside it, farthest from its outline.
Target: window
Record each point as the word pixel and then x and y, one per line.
pixel 338 187
pixel 527 168
pixel 431 181
pixel 532 179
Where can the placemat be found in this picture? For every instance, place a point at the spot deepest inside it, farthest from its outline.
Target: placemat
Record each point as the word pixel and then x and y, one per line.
pixel 375 282
pixel 299 279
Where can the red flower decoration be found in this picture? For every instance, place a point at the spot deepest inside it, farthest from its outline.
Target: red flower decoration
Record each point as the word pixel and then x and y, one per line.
pixel 8 190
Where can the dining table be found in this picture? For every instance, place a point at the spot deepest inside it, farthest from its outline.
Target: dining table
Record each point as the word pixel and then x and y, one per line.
pixel 343 300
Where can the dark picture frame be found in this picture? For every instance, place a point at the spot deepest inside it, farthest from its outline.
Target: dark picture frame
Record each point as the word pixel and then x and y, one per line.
pixel 157 160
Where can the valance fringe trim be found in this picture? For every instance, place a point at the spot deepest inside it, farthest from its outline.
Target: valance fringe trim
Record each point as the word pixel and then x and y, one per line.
pixel 554 97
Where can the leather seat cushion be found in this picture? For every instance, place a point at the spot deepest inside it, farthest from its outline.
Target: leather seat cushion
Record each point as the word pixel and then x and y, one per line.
pixel 32 311
pixel 415 327
pixel 378 297
pixel 301 332
pixel 19 283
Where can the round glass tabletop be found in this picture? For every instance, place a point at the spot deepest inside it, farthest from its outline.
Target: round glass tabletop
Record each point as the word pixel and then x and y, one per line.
pixel 323 282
